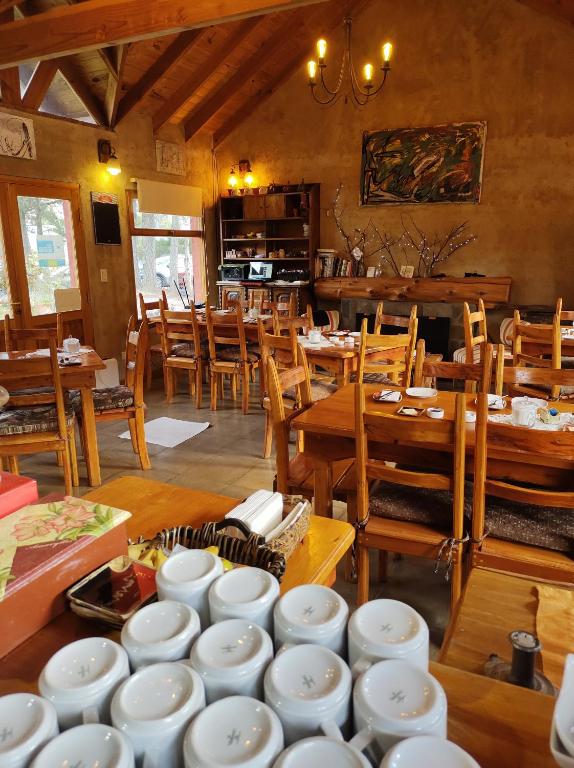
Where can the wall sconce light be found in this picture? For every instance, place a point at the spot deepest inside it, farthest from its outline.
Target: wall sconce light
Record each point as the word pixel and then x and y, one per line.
pixel 240 183
pixel 107 155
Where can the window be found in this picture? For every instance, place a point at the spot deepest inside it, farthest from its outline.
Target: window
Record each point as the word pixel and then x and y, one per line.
pixel 168 253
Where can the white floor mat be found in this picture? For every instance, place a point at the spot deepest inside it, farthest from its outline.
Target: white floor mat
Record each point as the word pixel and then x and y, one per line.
pixel 170 432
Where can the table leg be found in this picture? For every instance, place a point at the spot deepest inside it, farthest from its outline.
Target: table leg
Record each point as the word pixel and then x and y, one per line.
pixel 323 488
pixel 90 437
pixel 344 373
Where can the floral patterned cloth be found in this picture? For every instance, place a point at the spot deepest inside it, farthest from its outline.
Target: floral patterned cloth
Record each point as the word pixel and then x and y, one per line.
pixel 187 350
pixel 320 390
pixel 233 355
pixel 373 378
pixel 40 418
pixel 105 399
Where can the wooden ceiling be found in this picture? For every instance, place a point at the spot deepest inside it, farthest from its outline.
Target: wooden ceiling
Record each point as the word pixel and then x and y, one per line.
pixel 170 59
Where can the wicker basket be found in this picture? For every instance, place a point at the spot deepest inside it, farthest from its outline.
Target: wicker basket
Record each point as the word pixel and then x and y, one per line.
pixel 290 538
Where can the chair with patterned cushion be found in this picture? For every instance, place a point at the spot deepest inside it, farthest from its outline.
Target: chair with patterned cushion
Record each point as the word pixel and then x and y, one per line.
pixel 387 358
pixel 476 375
pixel 149 310
pixel 36 419
pixel 537 345
pixel 416 511
pixel 524 525
pixel 183 350
pixel 296 475
pixel 229 354
pixel 125 402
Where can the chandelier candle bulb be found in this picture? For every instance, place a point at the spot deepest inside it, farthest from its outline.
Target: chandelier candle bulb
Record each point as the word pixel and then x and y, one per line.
pixel 387 53
pixel 368 74
pixel 321 50
pixel 312 70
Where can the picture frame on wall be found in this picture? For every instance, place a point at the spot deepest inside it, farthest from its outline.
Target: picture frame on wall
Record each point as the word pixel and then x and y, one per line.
pixel 17 137
pixel 170 158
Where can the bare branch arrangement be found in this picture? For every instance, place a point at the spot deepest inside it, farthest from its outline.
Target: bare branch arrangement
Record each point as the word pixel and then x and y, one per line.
pixel 362 244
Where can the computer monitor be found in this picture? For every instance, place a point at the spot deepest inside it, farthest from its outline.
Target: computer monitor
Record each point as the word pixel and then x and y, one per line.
pixel 258 270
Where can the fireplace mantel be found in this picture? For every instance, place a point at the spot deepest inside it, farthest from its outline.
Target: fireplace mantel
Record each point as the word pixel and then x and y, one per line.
pixel 492 290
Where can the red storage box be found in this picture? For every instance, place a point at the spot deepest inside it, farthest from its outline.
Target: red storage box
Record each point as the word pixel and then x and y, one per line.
pixel 15 492
pixel 44 549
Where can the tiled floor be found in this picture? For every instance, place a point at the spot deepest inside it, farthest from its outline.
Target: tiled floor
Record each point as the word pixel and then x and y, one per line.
pixel 226 459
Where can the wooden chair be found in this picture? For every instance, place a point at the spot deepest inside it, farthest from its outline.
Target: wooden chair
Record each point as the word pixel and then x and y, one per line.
pixel 565 315
pixel 154 349
pixel 230 295
pixel 479 375
pixel 70 324
pixel 474 338
pixel 126 401
pixel 256 297
pixel 296 475
pixel 524 525
pixel 397 321
pixel 229 355
pixel 392 363
pixel 26 338
pixel 298 323
pixel 538 346
pixel 182 351
pixel 283 308
pixel 417 512
pixel 37 419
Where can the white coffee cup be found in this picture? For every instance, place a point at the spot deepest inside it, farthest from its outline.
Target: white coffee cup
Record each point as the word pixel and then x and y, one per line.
pixel 163 631
pixel 524 411
pixel 186 578
pixel 81 678
pixel 430 751
pixel 308 685
pixel 315 335
pixel 395 699
pixel 323 752
pixel 27 723
pixel 235 731
pixel 87 745
pixel 244 593
pixel 312 613
pixel 153 709
pixel 231 657
pixel 387 629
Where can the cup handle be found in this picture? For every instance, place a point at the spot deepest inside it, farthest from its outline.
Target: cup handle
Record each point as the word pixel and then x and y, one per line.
pixel 332 730
pixel 90 715
pixel 360 666
pixel 362 739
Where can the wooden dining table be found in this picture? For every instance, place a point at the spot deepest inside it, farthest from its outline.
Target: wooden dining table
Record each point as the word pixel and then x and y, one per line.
pixel 329 435
pixel 82 377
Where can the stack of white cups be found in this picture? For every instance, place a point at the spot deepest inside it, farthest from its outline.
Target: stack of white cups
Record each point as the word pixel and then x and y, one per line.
pixel 227 673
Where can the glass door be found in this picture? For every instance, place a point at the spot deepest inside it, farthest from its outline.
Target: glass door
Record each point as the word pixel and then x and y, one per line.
pixel 43 250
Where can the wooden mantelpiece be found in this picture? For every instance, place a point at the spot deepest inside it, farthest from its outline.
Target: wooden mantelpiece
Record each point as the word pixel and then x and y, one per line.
pixel 492 290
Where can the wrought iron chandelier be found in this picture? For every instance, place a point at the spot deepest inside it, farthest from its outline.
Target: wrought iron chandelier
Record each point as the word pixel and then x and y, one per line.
pixel 361 92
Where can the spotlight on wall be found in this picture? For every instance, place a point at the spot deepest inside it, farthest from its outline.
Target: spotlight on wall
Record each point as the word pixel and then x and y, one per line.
pixel 107 155
pixel 243 182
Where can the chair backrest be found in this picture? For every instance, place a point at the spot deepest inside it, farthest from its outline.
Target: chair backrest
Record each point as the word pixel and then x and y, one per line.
pixel 278 382
pixel 443 435
pixel 283 308
pixel 226 330
pixel 297 323
pixel 523 376
pixel 136 347
pixel 149 306
pixel 471 373
pixel 283 349
pixel 397 321
pixel 389 354
pixel 256 297
pixel 565 315
pixel 68 324
pixel 532 442
pixel 474 339
pixel 26 338
pixel 32 373
pixel 538 345
pixel 180 327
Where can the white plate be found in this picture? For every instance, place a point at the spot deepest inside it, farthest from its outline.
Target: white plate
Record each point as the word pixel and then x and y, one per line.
pixel 355 334
pixel 421 392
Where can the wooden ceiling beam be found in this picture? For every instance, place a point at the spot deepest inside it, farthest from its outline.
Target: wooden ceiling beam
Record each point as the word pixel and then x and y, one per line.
pixel 6 5
pixel 68 29
pixel 203 72
pixel 10 80
pixel 295 59
pixel 197 118
pixel 39 83
pixel 563 10
pixel 82 90
pixel 114 88
pixel 172 54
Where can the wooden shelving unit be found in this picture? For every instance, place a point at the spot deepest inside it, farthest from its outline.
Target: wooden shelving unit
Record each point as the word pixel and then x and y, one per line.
pixel 287 221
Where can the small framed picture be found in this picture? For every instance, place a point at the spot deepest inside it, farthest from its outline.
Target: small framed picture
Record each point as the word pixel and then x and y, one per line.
pixel 407 270
pixel 371 271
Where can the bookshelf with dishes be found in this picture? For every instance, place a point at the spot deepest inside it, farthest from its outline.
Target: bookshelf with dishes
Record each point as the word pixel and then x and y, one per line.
pixel 268 241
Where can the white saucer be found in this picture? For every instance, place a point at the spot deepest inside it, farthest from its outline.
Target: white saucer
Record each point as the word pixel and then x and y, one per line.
pixel 421 392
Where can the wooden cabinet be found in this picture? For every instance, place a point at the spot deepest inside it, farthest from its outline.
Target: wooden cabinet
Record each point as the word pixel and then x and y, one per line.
pixel 254 207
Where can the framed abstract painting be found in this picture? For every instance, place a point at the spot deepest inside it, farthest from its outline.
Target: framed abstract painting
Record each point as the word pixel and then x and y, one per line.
pixel 17 137
pixel 437 164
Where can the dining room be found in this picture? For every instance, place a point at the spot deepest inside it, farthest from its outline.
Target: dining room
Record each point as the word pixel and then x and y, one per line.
pixel 286 384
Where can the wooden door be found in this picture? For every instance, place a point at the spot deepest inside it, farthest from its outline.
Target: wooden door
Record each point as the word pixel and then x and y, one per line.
pixel 42 245
pixel 254 207
pixel 275 206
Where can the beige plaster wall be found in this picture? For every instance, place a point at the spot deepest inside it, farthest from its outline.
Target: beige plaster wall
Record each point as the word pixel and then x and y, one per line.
pixel 68 152
pixel 456 60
